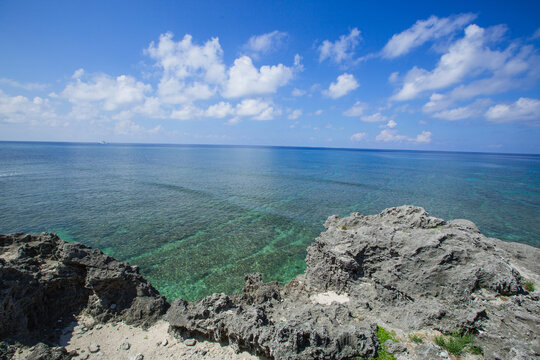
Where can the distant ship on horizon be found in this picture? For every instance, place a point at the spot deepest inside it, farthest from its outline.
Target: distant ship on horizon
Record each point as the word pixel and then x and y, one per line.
pixel 103 142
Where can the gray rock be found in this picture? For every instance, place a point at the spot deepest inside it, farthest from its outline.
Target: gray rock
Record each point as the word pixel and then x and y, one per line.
pixel 93 348
pixel 394 347
pixel 45 279
pixel 139 356
pixel 430 352
pixel 165 342
pixel 84 356
pixel 44 352
pixel 125 346
pixel 277 329
pixel 401 267
pixel 190 342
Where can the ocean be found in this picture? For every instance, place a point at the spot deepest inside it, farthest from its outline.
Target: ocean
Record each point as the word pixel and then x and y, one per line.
pixel 197 218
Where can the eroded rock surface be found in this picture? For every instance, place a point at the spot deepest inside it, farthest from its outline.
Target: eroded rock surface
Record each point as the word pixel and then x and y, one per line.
pixel 401 268
pixel 45 281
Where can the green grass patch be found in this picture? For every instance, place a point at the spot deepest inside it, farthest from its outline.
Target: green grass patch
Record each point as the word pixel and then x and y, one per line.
pixel 529 285
pixel 458 342
pixel 383 335
pixel 415 338
pixel 343 227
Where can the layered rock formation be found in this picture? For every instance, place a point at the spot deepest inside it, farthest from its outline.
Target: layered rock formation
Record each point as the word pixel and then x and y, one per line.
pixel 45 281
pixel 401 269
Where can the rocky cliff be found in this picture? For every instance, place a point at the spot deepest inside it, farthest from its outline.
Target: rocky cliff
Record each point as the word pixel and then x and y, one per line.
pixel 45 282
pixel 402 270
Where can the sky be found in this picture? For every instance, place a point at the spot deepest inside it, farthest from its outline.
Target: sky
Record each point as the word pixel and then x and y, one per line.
pixel 422 75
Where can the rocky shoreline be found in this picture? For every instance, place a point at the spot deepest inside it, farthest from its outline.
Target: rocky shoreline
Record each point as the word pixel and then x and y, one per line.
pixel 396 283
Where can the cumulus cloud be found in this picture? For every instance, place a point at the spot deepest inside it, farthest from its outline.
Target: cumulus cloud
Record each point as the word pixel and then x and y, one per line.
pixel 257 109
pixel 345 83
pixel 190 71
pixel 475 109
pixel 423 31
pixel 391 124
pixel 244 79
pixel 391 135
pixel 295 114
pixel 340 50
pixel 468 56
pixel 128 127
pixel 108 91
pixel 20 109
pixel 358 136
pixel 376 117
pixel 522 109
pixel 424 137
pixel 265 43
pixel 356 110
pixel 219 110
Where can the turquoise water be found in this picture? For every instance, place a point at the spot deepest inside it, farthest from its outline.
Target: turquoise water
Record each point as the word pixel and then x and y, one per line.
pixel 196 218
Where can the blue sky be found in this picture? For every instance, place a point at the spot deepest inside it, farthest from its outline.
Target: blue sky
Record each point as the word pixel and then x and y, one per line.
pixel 458 76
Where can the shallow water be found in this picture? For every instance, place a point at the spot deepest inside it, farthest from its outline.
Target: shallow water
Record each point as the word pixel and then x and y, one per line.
pixel 196 218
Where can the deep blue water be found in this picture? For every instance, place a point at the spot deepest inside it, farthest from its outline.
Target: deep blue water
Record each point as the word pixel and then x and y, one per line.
pixel 196 218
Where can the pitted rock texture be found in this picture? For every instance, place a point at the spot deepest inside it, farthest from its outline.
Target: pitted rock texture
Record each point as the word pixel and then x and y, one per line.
pixel 45 281
pixel 413 271
pixel 402 269
pixel 264 323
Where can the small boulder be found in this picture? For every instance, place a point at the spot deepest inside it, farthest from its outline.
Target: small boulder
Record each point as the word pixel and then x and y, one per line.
pixel 190 342
pixel 93 348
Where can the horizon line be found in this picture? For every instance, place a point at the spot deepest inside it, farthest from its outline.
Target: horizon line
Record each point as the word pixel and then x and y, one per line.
pixel 267 146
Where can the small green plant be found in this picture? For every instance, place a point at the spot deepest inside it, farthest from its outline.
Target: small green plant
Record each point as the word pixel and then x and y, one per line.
pixel 383 335
pixel 458 342
pixel 343 227
pixel 529 285
pixel 415 338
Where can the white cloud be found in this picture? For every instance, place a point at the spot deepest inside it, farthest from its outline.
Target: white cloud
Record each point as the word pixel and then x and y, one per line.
pixel 388 135
pixel 265 43
pixel 318 112
pixel 183 59
pixel 358 136
pixel 475 109
pixel 522 109
pixel 246 80
pixel 298 92
pixel 391 124
pixel 356 110
pixel 110 92
pixel 393 77
pixel 295 114
pixel 340 50
pixel 536 34
pixel 423 31
pixel 468 56
pixel 345 83
pixel 187 112
pixel 219 110
pixel 424 137
pixel 377 117
pixel 128 127
pixel 190 71
pixel 20 109
pixel 257 109
pixel 24 86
